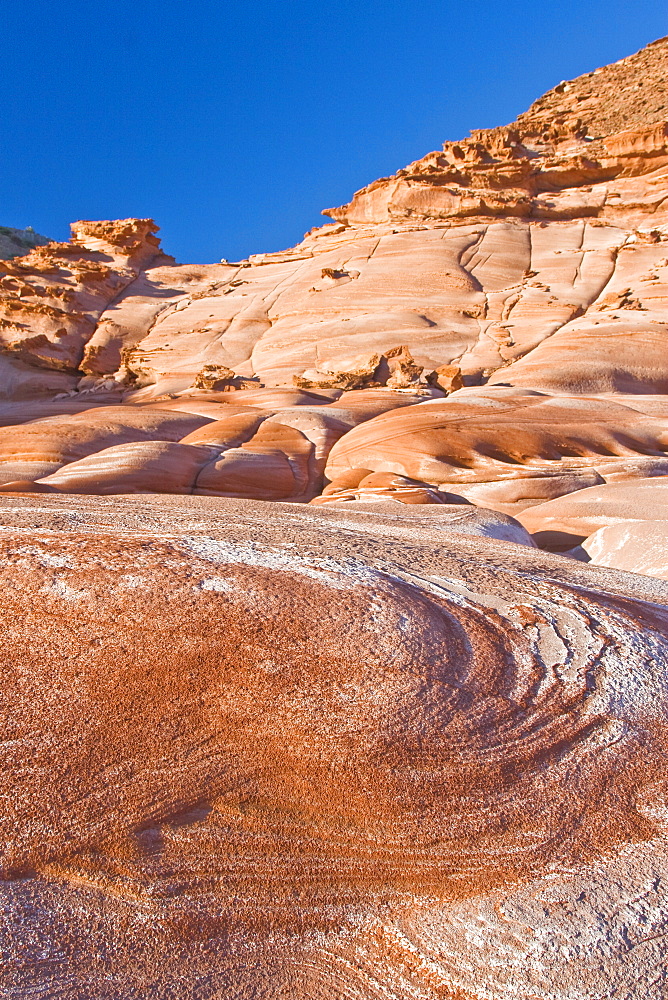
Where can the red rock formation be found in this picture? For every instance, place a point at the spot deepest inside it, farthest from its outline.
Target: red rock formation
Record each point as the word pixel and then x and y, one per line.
pixel 505 450
pixel 266 765
pixel 373 742
pixel 580 514
pixel 502 254
pixel 531 258
pixel 555 161
pixel 41 446
pixel 51 300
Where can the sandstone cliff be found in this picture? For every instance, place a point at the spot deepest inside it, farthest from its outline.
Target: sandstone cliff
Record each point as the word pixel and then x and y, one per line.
pixel 550 231
pixel 521 266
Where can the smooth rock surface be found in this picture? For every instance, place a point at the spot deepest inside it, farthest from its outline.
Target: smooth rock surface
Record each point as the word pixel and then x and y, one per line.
pixel 580 514
pixel 639 547
pixel 490 323
pixel 493 436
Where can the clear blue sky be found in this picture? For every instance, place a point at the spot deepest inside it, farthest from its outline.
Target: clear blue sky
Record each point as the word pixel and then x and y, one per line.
pixel 234 123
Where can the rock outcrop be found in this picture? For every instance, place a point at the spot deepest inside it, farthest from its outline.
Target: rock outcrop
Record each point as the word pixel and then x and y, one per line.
pixel 520 273
pixel 503 255
pixel 557 161
pixel 19 242
pixel 333 587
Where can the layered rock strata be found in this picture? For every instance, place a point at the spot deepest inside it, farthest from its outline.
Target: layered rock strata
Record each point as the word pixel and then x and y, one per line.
pixel 383 734
pixel 510 290
pixel 388 759
pixel 550 232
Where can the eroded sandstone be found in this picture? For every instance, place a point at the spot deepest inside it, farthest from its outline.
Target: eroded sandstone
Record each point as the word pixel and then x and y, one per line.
pixel 284 799
pixel 334 665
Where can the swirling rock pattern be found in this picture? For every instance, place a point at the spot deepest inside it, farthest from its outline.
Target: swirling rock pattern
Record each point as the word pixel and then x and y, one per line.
pixel 508 448
pixel 364 739
pixel 279 770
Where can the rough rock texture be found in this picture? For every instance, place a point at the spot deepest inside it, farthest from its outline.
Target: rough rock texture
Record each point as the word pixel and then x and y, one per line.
pixel 509 276
pixel 363 739
pixel 553 162
pixel 506 254
pixel 370 765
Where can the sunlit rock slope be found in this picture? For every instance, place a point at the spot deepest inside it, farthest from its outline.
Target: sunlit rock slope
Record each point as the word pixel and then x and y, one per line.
pixel 334 601
pixel 506 296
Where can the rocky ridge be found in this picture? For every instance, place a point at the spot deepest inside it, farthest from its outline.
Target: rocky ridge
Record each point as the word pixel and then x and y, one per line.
pixel 555 161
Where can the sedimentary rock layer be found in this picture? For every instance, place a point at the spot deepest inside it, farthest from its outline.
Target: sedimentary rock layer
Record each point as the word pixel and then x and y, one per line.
pixel 288 751
pixel 501 253
pixel 347 714
pixel 506 296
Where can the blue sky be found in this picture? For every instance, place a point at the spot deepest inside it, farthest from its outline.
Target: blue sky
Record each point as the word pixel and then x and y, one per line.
pixel 234 124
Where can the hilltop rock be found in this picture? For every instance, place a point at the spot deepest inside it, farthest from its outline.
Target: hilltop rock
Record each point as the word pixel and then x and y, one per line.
pixel 555 162
pixel 19 242
pixel 51 300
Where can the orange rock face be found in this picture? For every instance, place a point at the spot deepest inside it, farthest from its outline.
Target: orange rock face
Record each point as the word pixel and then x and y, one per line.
pixel 334 614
